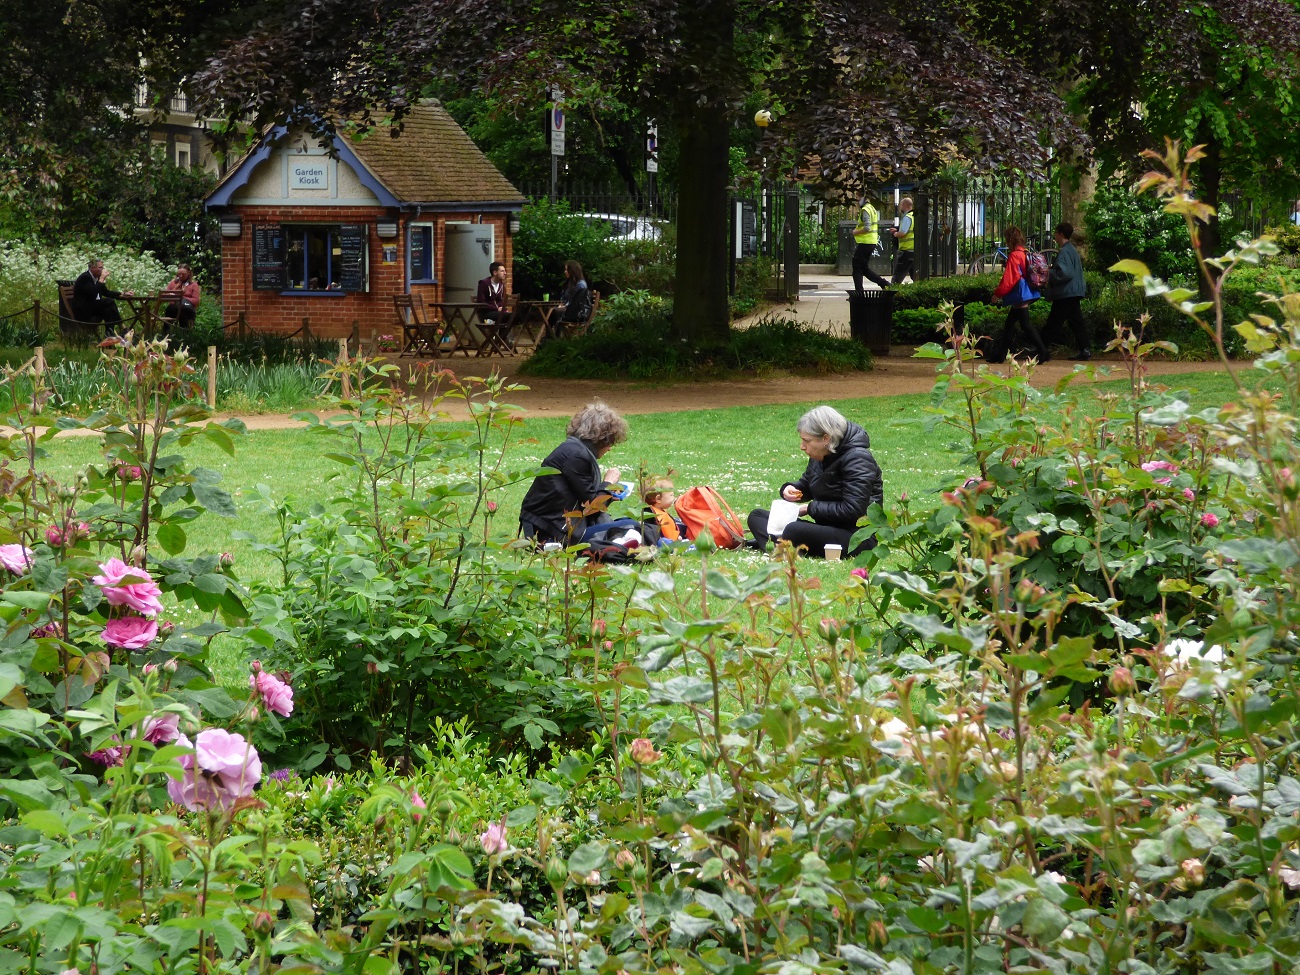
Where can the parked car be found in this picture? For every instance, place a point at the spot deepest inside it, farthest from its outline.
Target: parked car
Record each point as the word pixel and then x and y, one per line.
pixel 622 226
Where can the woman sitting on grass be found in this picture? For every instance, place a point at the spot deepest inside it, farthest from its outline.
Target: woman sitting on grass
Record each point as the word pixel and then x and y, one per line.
pixel 577 483
pixel 841 482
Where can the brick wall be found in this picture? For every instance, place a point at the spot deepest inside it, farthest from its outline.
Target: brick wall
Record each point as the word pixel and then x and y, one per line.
pixel 331 316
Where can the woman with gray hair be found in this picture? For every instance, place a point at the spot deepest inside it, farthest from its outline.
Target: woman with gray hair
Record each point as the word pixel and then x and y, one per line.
pixel 559 506
pixel 841 482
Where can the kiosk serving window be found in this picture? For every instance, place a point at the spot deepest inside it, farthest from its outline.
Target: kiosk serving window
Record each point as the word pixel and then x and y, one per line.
pixel 311 258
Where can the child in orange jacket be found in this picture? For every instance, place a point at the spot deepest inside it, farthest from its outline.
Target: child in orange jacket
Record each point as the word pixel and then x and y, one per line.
pixel 659 498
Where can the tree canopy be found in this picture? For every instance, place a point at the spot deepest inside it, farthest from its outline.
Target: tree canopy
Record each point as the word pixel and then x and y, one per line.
pixel 867 91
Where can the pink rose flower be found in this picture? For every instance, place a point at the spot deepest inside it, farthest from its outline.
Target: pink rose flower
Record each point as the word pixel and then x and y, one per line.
pixel 274 693
pixel 1210 520
pixel 859 573
pixel 1160 465
pixel 54 536
pixel 223 769
pixel 419 804
pixel 1189 494
pixel 494 840
pixel 130 632
pixel 107 757
pixel 161 728
pixel 16 558
pixel 1166 481
pixel 125 585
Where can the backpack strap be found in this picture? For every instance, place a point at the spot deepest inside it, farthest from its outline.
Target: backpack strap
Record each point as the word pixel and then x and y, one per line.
pixel 717 502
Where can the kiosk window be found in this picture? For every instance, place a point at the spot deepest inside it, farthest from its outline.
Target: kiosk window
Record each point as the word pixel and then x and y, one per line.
pixel 421 252
pixel 325 258
pixel 310 255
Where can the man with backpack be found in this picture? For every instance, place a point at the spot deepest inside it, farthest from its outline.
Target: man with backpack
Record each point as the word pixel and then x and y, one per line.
pixel 1066 288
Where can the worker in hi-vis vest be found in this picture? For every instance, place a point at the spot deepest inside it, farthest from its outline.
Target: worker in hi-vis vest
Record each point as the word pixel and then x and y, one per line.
pixel 905 234
pixel 867 237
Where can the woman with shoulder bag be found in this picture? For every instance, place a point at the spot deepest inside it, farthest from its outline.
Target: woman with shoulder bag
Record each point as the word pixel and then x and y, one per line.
pixel 1015 293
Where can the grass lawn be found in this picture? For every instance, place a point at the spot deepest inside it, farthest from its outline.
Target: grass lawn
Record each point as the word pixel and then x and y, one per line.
pixel 745 452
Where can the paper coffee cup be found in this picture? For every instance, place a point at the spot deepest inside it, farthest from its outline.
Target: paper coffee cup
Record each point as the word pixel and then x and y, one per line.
pixel 833 552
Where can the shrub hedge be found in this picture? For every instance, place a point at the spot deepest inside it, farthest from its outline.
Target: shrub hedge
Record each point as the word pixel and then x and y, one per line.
pixel 645 348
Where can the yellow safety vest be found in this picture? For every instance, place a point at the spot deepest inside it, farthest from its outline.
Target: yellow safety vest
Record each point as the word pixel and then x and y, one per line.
pixel 907 241
pixel 870 220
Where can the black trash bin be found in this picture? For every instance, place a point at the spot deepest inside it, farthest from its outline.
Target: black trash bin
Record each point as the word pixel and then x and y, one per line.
pixel 844 256
pixel 871 319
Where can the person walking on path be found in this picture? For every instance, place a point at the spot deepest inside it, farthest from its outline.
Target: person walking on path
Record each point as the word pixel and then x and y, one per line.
pixel 867 240
pixel 905 236
pixel 1066 288
pixel 1014 292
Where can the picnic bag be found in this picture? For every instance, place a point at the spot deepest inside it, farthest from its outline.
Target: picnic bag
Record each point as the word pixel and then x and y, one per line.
pixel 702 508
pixel 1036 271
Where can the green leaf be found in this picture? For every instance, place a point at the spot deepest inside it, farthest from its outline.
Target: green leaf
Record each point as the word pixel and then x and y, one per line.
pixel 1043 920
pixel 1136 268
pixel 172 538
pixel 927 919
pixel 36 601
pixel 210 582
pixel 22 722
pixel 214 499
pixel 220 436
pixel 449 867
pixel 587 858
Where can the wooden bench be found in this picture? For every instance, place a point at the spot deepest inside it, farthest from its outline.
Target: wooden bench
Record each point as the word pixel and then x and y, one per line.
pixel 419 335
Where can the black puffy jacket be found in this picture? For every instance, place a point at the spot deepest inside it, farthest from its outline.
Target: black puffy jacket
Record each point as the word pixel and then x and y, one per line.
pixel 579 481
pixel 840 489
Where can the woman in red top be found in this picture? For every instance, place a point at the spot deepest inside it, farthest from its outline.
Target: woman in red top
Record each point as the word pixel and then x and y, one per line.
pixel 1014 292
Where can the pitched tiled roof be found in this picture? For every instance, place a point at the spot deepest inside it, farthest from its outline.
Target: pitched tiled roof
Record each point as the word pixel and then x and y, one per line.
pixel 432 161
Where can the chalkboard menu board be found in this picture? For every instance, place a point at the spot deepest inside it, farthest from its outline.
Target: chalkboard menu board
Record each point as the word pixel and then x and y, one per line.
pixel 268 258
pixel 421 254
pixel 351 266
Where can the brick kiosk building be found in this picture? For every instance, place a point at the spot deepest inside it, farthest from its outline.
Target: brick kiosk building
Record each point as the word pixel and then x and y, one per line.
pixel 331 238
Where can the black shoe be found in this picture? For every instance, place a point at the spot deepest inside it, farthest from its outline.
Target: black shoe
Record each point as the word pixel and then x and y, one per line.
pixel 1042 357
pixel 1083 356
pixel 756 545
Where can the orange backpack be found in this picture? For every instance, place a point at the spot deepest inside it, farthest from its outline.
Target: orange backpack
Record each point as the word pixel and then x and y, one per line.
pixel 702 507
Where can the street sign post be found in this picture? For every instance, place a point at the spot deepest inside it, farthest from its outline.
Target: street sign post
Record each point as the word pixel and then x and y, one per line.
pixel 555 133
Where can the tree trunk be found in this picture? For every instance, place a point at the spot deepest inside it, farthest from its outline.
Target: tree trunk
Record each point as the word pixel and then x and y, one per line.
pixel 701 313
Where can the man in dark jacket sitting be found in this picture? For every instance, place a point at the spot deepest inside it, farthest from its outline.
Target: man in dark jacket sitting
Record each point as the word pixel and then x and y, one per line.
pixel 491 297
pixel 841 482
pixel 92 298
